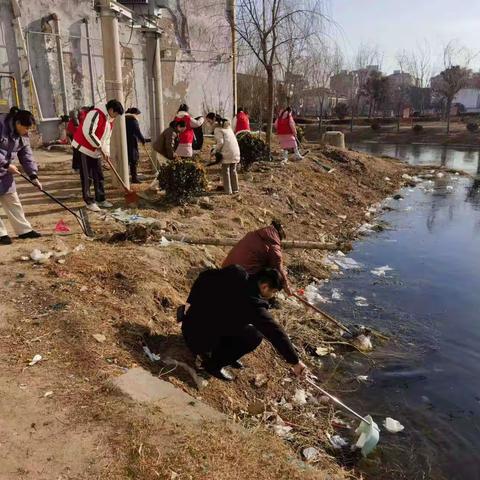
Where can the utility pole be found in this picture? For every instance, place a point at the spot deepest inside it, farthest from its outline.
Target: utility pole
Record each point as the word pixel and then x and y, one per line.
pixel 112 65
pixel 232 17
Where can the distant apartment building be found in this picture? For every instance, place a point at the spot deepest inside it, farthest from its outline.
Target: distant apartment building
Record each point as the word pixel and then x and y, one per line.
pixel 401 79
pixel 469 98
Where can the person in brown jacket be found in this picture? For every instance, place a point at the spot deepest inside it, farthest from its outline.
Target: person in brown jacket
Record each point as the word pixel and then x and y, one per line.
pixel 261 249
pixel 166 143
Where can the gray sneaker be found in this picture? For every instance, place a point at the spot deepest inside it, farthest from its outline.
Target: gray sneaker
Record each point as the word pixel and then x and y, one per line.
pixel 93 207
pixel 105 204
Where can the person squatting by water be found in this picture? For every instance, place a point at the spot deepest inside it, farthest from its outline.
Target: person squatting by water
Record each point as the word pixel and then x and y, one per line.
pixel 226 317
pixel 14 144
pixel 134 135
pixel 226 151
pixel 92 140
pixel 287 134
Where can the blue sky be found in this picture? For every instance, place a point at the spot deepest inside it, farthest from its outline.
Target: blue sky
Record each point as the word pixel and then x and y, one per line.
pixel 394 25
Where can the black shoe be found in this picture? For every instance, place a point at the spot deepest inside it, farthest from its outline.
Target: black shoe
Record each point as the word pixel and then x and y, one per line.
pixel 136 180
pixel 5 240
pixel 237 364
pixel 30 234
pixel 220 373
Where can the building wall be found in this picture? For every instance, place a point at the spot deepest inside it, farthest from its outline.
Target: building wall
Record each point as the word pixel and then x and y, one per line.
pixel 470 98
pixel 196 58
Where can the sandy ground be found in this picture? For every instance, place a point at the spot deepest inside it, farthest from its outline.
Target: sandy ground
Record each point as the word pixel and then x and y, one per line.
pixel 64 420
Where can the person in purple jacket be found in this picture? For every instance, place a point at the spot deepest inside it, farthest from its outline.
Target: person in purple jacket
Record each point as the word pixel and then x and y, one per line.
pixel 14 144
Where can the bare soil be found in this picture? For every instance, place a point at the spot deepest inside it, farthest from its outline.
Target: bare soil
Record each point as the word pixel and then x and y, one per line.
pixel 63 419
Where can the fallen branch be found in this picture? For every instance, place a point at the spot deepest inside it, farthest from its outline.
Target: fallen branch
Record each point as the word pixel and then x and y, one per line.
pixel 230 242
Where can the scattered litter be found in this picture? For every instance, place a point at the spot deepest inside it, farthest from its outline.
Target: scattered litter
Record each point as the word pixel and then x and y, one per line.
pixel 300 397
pixel 425 399
pixel 99 337
pixel 361 302
pixel 61 227
pixel 342 217
pixel 322 351
pixel 362 378
pixel 38 257
pixel 336 294
pixel 392 425
pixel 199 381
pixel 125 217
pixel 61 261
pixel 405 176
pixel 260 380
pixel 164 242
pixel 310 454
pixel 48 394
pixel 363 343
pixel 365 228
pixel 337 442
pixel 381 271
pixel 37 358
pixel 339 423
pixel 369 436
pixel 151 356
pixel 282 430
pixel 284 404
pixel 24 258
pixel 79 248
pixel 387 179
pixel 83 288
pixel 312 294
pixel 346 263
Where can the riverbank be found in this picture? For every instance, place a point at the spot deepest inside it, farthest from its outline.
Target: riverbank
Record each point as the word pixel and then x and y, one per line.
pixel 89 313
pixel 433 134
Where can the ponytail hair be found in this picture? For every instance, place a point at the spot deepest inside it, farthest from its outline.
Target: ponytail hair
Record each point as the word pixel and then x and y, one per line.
pixel 23 117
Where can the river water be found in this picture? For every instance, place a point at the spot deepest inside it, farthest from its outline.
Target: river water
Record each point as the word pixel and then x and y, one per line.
pixel 428 375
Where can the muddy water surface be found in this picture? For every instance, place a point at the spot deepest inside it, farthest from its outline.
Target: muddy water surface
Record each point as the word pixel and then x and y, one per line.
pixel 428 376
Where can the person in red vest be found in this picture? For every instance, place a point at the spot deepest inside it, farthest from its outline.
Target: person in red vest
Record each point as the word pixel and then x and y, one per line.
pixel 92 140
pixel 72 125
pixel 185 138
pixel 241 122
pixel 287 134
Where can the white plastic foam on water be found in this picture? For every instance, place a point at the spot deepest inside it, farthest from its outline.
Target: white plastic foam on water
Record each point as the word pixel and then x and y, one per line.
pixel 381 271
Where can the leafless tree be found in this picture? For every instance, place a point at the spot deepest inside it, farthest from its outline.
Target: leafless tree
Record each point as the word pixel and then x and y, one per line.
pixel 454 77
pixel 262 26
pixel 417 63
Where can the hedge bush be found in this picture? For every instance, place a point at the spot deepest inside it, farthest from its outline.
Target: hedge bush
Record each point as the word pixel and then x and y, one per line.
pixel 252 149
pixel 182 180
pixel 375 125
pixel 472 127
pixel 417 128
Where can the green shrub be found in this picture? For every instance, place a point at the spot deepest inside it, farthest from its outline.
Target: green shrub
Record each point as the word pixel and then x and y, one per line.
pixel 472 127
pixel 182 180
pixel 252 149
pixel 417 128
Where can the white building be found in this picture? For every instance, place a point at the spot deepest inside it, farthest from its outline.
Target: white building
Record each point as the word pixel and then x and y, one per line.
pixel 469 98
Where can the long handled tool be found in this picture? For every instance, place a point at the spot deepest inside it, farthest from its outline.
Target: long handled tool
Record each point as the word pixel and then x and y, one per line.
pixel 155 169
pixel 130 196
pixel 326 315
pixel 81 216
pixel 339 402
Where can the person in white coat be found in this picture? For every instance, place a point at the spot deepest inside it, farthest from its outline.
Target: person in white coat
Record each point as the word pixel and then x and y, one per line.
pixel 226 151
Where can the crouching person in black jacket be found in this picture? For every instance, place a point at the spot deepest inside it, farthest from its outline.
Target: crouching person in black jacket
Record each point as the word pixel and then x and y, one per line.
pixel 227 317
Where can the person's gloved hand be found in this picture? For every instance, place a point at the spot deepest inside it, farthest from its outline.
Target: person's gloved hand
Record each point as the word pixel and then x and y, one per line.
pixel 13 169
pixel 300 369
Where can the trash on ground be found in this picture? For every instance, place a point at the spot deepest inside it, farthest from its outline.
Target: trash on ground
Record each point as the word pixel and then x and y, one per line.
pixel 322 351
pixel 282 430
pixel 99 337
pixel 392 425
pixel 363 343
pixel 151 356
pixel 365 228
pixel 37 358
pixel 300 397
pixel 310 454
pixel 164 242
pixel 284 404
pixel 361 302
pixel 61 227
pixel 381 271
pixel 362 378
pixel 369 435
pixel 38 257
pixel 260 380
pixel 125 217
pixel 337 442
pixel 48 394
pixel 79 248
pixel 346 263
pixel 312 294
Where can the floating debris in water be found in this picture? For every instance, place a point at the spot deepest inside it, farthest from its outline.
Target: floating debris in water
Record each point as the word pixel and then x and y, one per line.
pixel 362 378
pixel 381 271
pixel 363 343
pixel 361 302
pixel 392 425
pixel 337 442
pixel 336 294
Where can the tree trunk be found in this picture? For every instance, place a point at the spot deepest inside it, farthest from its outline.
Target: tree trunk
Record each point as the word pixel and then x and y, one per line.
pixel 399 113
pixel 320 117
pixel 270 87
pixel 449 106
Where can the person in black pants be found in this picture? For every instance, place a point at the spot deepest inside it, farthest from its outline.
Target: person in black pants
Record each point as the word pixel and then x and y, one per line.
pixel 134 135
pixel 227 317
